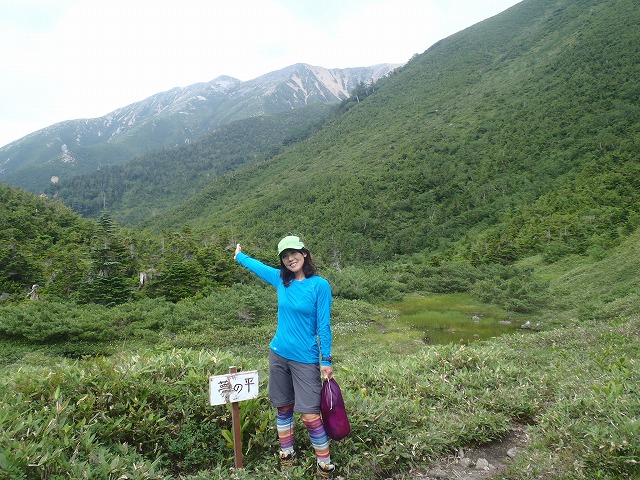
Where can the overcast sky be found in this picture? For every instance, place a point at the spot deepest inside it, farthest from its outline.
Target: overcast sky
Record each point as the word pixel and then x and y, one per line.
pixel 69 59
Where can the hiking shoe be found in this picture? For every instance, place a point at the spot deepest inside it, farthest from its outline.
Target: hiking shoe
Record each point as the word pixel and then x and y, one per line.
pixel 287 459
pixel 325 470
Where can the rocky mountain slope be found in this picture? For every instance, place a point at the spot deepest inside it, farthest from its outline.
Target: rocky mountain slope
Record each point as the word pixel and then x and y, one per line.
pixel 169 119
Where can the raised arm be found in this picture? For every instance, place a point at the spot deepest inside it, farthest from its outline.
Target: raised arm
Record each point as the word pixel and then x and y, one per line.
pixel 268 274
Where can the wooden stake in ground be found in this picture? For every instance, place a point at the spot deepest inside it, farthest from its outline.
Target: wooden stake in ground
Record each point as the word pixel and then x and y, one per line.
pixel 233 388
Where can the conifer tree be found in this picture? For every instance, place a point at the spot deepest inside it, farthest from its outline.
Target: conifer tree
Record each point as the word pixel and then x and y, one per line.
pixel 108 284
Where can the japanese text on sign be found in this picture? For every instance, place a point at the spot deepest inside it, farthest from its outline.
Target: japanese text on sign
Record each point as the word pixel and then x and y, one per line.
pixel 233 387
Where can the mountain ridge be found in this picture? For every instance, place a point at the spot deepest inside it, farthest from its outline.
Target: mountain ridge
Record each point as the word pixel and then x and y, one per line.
pixel 167 119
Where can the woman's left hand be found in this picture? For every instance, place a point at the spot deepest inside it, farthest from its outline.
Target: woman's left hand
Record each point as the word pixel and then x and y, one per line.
pixel 327 372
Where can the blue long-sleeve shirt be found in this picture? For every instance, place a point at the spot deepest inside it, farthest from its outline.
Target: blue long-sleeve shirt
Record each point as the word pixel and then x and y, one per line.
pixel 304 314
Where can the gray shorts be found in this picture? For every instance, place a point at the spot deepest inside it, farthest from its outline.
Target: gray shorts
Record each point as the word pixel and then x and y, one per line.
pixel 294 383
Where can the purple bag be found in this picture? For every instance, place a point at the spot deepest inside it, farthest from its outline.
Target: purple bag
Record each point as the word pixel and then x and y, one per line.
pixel 334 415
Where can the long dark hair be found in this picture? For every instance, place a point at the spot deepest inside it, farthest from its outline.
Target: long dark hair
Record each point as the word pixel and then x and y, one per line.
pixel 308 268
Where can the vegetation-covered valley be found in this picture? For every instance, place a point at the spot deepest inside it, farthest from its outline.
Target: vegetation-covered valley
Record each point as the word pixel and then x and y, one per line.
pixel 500 166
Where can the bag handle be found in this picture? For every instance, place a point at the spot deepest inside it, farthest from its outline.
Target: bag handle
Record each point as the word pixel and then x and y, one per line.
pixel 330 393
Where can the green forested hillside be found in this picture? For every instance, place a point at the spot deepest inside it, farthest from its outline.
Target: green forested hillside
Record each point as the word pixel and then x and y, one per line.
pixel 39 237
pixel 49 252
pixel 151 184
pixel 518 135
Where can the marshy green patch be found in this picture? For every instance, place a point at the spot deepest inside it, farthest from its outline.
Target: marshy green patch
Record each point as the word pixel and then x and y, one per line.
pixel 456 318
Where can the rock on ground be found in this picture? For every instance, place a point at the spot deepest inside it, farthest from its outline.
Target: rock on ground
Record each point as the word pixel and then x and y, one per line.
pixel 474 463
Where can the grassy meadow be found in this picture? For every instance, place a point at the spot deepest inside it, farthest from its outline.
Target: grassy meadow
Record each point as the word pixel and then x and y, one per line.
pixel 137 407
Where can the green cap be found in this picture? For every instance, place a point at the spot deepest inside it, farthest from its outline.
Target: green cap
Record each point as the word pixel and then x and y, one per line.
pixel 290 242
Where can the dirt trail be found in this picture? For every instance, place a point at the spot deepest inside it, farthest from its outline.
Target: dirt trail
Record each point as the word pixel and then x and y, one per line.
pixel 478 463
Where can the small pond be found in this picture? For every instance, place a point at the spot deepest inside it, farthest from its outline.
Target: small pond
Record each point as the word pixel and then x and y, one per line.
pixel 455 318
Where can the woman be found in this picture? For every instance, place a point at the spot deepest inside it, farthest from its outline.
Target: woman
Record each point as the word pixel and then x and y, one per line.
pixel 301 347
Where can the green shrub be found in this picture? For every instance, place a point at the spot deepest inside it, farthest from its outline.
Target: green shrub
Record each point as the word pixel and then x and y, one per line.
pixel 514 288
pixel 363 283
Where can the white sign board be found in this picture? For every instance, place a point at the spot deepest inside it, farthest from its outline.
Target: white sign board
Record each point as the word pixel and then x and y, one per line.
pixel 233 387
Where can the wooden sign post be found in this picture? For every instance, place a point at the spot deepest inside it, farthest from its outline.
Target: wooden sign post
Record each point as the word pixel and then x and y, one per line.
pixel 233 388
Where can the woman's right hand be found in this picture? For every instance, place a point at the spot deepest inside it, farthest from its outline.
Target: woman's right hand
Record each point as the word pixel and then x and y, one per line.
pixel 238 250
